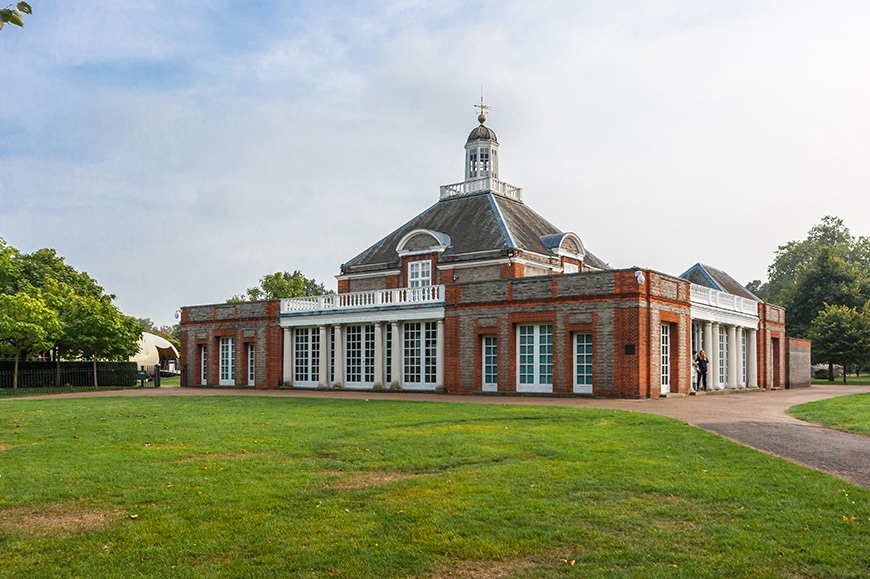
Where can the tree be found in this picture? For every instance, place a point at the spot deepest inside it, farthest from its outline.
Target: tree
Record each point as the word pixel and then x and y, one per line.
pixel 166 332
pixel 102 332
pixel 13 15
pixel 794 256
pixel 282 284
pixel 841 334
pixel 758 288
pixel 27 326
pixel 828 279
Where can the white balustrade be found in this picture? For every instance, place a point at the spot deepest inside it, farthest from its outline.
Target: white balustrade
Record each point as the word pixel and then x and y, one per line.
pixel 386 298
pixel 701 295
pixel 480 185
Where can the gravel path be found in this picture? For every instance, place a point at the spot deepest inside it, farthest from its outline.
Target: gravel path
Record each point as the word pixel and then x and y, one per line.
pixel 754 418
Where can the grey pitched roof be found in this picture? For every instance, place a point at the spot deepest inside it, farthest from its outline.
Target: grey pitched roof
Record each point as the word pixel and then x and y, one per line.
pixel 717 279
pixel 482 224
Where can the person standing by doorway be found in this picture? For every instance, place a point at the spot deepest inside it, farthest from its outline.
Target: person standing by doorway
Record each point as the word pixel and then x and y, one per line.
pixel 701 364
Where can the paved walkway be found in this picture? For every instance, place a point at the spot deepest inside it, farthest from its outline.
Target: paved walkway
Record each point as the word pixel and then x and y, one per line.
pixel 753 418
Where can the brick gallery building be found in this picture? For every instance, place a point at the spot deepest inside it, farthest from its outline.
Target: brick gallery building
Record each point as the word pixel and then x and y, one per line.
pixel 479 293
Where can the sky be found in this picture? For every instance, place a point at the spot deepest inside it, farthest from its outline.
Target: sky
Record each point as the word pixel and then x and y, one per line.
pixel 179 151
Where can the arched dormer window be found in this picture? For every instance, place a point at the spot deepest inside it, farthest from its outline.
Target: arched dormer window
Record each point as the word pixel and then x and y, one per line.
pixel 420 241
pixel 566 245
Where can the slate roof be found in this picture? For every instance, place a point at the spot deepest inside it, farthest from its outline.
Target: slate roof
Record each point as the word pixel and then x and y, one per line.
pixel 481 225
pixel 717 279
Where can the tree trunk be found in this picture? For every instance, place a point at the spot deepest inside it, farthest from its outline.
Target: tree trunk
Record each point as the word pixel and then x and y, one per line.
pixel 96 386
pixel 830 371
pixel 15 375
pixel 845 371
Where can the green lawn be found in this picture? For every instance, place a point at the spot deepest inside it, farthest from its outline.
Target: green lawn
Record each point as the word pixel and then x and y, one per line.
pixel 851 380
pixel 849 413
pixel 280 487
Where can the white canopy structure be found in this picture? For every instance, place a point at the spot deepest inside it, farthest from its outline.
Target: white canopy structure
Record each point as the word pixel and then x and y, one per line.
pixel 154 350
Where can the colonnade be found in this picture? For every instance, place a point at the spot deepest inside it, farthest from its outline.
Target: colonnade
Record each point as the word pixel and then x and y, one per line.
pixel 396 330
pixel 733 347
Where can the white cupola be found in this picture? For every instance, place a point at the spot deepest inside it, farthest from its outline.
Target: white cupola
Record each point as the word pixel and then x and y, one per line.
pixel 481 152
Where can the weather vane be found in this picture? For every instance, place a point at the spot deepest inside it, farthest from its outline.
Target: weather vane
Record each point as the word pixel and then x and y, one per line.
pixel 483 108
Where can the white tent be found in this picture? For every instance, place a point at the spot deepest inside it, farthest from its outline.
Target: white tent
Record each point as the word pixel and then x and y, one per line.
pixel 154 350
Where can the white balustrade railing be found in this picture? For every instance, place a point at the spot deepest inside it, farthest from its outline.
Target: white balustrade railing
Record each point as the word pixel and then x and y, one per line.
pixel 386 298
pixel 700 295
pixel 480 185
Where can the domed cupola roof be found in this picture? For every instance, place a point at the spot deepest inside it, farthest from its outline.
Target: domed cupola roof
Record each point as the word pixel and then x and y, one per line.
pixel 482 133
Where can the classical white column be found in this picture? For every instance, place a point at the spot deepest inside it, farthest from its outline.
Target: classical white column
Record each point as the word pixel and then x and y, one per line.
pixel 751 359
pixel 288 356
pixel 338 358
pixel 439 355
pixel 323 358
pixel 396 362
pixel 731 376
pixel 713 355
pixel 379 355
pixel 708 337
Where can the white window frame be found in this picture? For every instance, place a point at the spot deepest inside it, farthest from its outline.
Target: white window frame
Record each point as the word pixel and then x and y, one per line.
pixel 227 375
pixel 420 273
pixel 583 363
pixel 723 356
pixel 569 267
pixel 419 354
pixel 359 356
pixel 489 346
pixel 306 356
pixel 534 357
pixel 252 365
pixel 666 358
pixel 203 364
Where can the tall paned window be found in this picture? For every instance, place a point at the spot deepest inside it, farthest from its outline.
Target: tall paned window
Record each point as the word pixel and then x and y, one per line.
pixel 388 353
pixel 353 353
pixel 583 363
pixel 227 362
pixel 413 353
pixel 420 273
pixel 421 351
pixel 472 163
pixel 743 372
pixel 535 358
pixel 723 355
pixel 484 160
pixel 360 354
pixel 306 360
pixel 203 364
pixel 490 363
pixel 666 356
pixel 252 366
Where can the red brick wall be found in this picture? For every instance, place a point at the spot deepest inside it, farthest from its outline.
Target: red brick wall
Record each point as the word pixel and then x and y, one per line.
pixel 249 322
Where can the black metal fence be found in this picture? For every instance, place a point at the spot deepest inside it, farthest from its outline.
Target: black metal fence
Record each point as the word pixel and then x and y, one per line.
pixel 43 377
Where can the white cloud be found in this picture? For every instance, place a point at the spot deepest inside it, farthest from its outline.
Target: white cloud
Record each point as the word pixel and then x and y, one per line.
pixel 244 140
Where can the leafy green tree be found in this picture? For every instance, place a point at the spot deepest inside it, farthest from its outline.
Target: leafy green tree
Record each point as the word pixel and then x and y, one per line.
pixel 166 332
pixel 758 288
pixel 101 331
pixel 9 268
pixel 794 256
pixel 841 335
pixel 828 279
pixel 282 284
pixel 43 266
pixel 27 326
pixel 12 15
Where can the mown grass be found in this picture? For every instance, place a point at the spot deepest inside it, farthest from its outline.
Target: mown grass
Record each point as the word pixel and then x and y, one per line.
pixel 849 413
pixel 851 380
pixel 280 487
